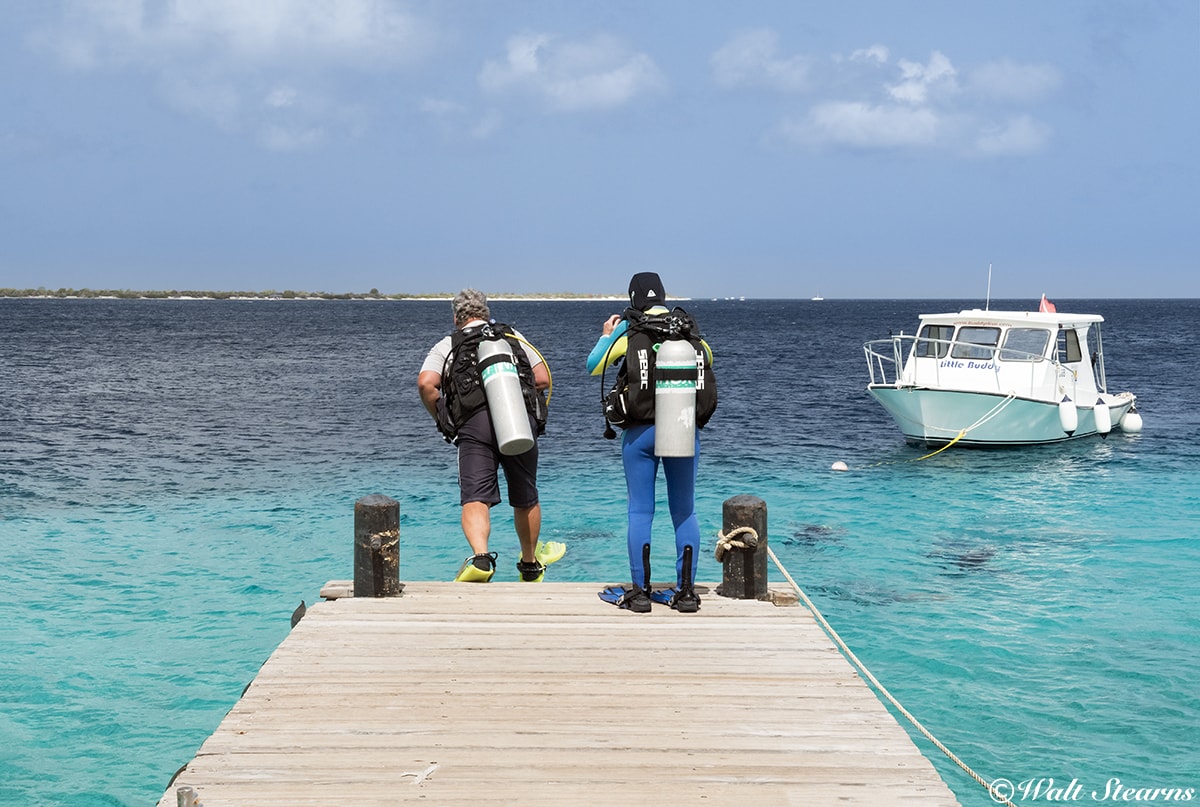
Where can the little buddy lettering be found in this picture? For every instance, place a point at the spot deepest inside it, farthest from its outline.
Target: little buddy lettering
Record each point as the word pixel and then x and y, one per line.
pixel 957 364
pixel 1114 790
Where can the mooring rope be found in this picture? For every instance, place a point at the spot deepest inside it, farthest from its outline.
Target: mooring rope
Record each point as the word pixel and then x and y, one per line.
pixel 727 541
pixel 991 413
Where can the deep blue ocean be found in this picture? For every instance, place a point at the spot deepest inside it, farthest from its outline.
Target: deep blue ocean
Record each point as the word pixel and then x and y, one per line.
pixel 175 476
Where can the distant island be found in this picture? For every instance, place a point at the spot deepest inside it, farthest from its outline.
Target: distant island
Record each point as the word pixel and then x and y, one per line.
pixel 373 294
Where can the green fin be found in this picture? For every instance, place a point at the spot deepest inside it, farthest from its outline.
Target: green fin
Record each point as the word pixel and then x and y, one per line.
pixel 548 552
pixel 477 568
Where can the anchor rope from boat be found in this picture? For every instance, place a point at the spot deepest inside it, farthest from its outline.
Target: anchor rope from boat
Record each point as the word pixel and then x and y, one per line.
pixel 996 796
pixel 991 413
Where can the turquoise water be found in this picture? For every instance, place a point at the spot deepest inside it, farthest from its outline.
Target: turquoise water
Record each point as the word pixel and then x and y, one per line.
pixel 176 477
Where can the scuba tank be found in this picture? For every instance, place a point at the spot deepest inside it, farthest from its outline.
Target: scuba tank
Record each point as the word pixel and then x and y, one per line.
pixel 506 404
pixel 675 399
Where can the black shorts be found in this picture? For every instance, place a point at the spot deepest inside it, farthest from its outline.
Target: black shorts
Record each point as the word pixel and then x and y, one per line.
pixel 479 458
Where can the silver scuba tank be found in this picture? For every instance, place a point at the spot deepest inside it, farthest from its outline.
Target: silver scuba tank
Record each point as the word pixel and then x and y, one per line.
pixel 675 372
pixel 506 404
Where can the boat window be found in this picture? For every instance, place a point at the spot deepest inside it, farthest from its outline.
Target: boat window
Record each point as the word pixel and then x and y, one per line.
pixel 975 342
pixel 1025 344
pixel 934 341
pixel 1068 346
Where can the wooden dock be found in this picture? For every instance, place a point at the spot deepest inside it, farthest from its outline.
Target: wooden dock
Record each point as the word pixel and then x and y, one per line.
pixel 519 694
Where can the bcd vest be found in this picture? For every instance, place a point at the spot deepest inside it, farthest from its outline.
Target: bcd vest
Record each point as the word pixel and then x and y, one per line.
pixel 631 400
pixel 462 379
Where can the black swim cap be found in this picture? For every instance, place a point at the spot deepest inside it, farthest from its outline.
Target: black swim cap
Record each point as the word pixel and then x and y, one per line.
pixel 646 290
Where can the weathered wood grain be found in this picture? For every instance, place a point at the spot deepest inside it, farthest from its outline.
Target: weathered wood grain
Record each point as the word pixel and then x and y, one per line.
pixel 507 693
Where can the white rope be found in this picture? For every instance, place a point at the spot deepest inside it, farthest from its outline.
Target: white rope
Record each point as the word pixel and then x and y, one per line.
pixel 996 796
pixel 728 542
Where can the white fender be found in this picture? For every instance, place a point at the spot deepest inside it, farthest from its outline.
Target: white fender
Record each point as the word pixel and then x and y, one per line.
pixel 1068 415
pixel 675 373
pixel 506 404
pixel 1103 416
pixel 1131 422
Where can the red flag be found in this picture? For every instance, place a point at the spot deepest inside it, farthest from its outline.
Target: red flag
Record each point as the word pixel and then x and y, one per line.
pixel 1047 307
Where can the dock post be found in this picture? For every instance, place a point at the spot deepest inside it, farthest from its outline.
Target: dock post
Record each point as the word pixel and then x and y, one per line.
pixel 376 546
pixel 743 549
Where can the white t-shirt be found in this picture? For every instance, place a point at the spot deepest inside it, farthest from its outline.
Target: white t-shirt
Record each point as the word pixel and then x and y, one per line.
pixel 436 360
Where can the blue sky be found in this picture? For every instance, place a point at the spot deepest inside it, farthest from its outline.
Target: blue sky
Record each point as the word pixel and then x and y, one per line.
pixel 765 149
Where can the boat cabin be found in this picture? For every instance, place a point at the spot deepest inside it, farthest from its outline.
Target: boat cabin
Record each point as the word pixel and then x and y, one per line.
pixel 1032 354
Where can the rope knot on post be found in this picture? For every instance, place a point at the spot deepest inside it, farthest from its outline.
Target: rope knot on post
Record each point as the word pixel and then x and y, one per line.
pixel 742 549
pixel 726 542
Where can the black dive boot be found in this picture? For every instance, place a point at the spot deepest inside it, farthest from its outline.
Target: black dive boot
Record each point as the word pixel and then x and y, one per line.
pixel 686 600
pixel 638 599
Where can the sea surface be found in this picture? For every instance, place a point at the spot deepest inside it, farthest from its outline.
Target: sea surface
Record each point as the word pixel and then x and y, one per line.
pixel 176 476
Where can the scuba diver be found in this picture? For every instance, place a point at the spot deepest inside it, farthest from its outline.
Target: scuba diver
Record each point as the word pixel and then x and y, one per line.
pixel 659 426
pixel 485 391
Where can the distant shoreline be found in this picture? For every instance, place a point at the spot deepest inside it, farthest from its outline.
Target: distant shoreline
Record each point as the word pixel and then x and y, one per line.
pixel 108 294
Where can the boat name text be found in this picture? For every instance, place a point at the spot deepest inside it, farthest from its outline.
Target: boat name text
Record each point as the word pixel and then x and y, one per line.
pixel 956 364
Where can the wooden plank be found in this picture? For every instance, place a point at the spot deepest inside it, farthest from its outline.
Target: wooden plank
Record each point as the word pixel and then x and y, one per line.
pixel 544 695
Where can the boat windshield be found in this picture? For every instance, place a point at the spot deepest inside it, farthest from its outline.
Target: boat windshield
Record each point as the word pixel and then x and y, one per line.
pixel 1025 344
pixel 976 342
pixel 934 341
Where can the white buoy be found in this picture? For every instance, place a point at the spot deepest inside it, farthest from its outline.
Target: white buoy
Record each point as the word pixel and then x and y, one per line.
pixel 506 404
pixel 1068 415
pixel 1131 422
pixel 1103 416
pixel 675 374
pixel 840 466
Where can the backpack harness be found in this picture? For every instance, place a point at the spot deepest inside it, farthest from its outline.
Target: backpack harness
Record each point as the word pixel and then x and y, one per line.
pixel 462 388
pixel 630 402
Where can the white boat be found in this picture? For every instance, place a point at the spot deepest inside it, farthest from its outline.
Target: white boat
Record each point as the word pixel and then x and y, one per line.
pixel 998 378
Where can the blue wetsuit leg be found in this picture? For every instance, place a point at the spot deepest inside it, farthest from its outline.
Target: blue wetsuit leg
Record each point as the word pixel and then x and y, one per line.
pixel 641 468
pixel 681 497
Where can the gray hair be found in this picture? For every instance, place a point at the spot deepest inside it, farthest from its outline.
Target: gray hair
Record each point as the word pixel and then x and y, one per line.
pixel 470 304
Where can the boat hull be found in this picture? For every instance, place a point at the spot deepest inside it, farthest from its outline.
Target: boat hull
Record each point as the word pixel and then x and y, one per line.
pixel 936 417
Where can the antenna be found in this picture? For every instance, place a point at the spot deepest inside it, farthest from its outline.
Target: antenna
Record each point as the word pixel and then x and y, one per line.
pixel 987 305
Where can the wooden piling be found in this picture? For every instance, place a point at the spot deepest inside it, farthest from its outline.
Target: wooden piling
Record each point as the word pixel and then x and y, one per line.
pixel 376 546
pixel 744 564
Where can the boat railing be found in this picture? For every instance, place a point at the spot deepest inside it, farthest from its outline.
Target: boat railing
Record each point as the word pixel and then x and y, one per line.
pixel 885 354
pixel 888 364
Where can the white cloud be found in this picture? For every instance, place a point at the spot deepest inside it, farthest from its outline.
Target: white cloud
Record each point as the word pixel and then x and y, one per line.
pixel 875 53
pixel 903 104
pixel 600 73
pixel 919 81
pixel 242 64
pixel 232 33
pixel 1020 83
pixel 751 59
pixel 1020 135
pixel 867 126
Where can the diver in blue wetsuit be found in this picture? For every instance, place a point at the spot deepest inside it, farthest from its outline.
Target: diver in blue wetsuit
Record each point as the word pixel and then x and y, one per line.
pixel 646 295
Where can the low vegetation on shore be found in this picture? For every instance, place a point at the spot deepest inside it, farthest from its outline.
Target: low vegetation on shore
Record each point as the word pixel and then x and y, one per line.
pixel 373 294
